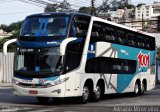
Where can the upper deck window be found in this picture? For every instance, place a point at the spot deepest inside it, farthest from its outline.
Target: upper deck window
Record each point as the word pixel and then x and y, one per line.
pixel 45 27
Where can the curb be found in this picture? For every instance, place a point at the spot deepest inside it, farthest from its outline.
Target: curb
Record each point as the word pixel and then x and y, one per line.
pixel 5 84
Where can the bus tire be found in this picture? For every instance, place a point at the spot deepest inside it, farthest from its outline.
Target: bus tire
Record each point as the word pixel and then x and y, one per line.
pixel 42 99
pixel 142 89
pixel 96 96
pixel 85 94
pixel 136 89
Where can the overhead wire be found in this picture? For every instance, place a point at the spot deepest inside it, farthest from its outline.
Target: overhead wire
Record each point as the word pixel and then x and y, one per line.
pixel 19 12
pixel 4 1
pixel 43 4
pixel 33 3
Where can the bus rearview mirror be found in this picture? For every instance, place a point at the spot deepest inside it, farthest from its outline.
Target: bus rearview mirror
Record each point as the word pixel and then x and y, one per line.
pixel 64 44
pixel 5 45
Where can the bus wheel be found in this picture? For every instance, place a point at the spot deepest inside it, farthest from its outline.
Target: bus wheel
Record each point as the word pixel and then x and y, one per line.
pixel 42 99
pixel 142 89
pixel 97 94
pixel 85 95
pixel 136 89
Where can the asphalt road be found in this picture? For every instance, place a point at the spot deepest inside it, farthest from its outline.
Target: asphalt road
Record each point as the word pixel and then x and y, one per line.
pixel 149 102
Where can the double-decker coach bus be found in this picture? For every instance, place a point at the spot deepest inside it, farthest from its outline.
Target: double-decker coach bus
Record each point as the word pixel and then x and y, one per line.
pixel 76 55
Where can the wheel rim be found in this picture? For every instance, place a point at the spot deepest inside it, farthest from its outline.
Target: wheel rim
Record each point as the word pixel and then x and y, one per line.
pixel 136 89
pixel 98 92
pixel 85 93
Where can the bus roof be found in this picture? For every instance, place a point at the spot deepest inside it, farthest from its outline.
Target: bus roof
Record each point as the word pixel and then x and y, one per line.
pixel 59 13
pixel 93 18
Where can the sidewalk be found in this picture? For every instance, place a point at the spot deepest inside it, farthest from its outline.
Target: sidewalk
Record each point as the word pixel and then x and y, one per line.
pixel 5 84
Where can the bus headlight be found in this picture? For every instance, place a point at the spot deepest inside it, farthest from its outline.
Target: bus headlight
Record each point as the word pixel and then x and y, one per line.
pixel 15 81
pixel 57 82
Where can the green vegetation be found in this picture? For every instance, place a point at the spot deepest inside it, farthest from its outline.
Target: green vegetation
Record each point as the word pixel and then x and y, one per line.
pixel 13 28
pixel 86 10
pixel 63 6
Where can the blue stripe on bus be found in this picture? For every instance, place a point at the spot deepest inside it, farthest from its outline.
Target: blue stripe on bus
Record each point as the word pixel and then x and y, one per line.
pixel 39 44
pixel 91 51
pixel 125 52
pixel 53 43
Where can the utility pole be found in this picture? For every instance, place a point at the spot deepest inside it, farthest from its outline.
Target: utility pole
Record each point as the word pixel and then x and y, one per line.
pixel 93 7
pixel 142 22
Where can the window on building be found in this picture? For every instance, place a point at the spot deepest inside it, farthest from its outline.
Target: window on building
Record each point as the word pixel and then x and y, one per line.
pixel 147 8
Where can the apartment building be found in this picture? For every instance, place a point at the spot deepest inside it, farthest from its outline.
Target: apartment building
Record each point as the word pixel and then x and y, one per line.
pixel 143 11
pixel 147 11
pixel 4 34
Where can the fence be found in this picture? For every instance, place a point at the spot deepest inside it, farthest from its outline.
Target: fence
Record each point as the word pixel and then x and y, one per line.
pixel 6 67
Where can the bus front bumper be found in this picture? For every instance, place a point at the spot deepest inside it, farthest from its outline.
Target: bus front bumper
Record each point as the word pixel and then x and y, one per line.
pixel 55 91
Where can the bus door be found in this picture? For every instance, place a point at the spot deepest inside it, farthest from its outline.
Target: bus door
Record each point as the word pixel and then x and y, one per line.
pixel 74 50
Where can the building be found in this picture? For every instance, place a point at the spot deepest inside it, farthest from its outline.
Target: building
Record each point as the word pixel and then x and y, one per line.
pixel 146 16
pixel 4 34
pixel 143 11
pixel 147 12
pixel 120 13
pixel 156 9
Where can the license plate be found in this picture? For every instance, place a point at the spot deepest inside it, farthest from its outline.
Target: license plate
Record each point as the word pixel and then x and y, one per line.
pixel 33 92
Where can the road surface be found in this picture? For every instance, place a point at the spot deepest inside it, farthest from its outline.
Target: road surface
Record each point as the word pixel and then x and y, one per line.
pixel 149 102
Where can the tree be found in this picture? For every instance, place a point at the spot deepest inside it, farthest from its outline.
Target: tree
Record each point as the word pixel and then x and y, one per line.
pixel 15 29
pixel 51 8
pixel 12 27
pixel 125 3
pixel 114 5
pixel 5 28
pixel 63 6
pixel 86 10
pixel 15 26
pixel 104 7
pixel 139 5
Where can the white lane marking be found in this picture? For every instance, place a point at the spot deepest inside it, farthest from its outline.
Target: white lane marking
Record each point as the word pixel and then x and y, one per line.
pixel 44 110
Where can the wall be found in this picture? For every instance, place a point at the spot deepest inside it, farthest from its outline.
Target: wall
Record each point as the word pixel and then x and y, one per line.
pixel 6 67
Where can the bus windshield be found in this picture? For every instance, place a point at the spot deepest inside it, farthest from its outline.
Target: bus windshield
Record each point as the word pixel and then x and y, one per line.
pixel 40 62
pixel 45 27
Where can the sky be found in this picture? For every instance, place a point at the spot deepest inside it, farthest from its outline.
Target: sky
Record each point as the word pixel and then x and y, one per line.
pixel 14 10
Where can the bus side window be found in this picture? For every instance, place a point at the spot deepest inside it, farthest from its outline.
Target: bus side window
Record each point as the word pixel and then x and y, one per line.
pixel 152 43
pixel 97 32
pixel 110 65
pixel 121 37
pixel 131 39
pixel 110 34
pixel 140 44
pixel 146 42
pixel 79 27
pixel 131 42
pixel 140 41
